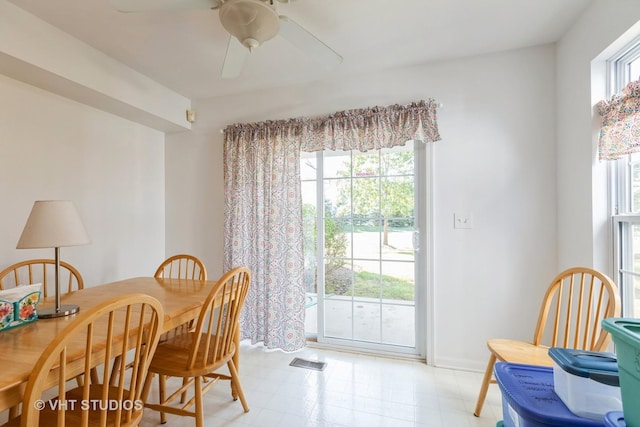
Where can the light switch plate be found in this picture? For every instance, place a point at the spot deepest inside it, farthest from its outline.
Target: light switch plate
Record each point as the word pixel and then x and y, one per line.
pixel 462 220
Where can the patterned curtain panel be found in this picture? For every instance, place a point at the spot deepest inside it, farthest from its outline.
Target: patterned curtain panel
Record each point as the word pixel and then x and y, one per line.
pixel 263 223
pixel 263 204
pixel 620 131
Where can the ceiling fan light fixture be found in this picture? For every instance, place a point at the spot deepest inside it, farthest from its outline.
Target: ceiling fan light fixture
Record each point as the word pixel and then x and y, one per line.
pixel 252 22
pixel 250 43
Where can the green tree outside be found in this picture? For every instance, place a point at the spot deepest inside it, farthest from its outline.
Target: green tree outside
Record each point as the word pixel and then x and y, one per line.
pixel 380 185
pixel 381 189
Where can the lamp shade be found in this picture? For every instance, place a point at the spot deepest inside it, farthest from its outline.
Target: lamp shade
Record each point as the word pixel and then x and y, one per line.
pixel 53 224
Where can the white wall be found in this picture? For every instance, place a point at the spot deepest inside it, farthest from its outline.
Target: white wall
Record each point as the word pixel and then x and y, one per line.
pixel 113 169
pixel 195 200
pixel 496 160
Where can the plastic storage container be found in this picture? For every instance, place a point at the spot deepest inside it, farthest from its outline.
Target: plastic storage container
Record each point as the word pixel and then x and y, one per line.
pixel 528 398
pixel 614 419
pixel 586 381
pixel 626 336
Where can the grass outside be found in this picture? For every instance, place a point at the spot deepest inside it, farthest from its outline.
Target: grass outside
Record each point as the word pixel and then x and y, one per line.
pixel 343 281
pixel 372 285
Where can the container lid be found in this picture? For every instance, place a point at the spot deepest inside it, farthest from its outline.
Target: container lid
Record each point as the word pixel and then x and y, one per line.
pixel 624 329
pixel 595 365
pixel 529 391
pixel 614 419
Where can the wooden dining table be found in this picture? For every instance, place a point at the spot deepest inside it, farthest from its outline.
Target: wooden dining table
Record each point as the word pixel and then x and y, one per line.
pixel 21 347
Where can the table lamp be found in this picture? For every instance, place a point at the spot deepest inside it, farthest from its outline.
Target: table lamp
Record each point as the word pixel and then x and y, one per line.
pixel 53 224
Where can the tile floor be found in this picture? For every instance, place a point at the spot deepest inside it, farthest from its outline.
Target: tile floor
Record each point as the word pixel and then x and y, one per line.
pixel 353 390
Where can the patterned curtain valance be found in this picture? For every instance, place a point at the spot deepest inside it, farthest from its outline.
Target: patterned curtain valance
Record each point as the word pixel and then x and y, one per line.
pixel 361 129
pixel 620 131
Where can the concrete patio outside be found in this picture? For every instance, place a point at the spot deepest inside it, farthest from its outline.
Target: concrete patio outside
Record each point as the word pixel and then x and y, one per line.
pixel 365 319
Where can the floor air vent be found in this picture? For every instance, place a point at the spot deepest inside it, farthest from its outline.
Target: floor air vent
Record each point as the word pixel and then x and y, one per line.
pixel 308 364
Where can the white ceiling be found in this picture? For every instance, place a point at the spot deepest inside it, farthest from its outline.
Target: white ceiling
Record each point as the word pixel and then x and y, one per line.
pixel 184 50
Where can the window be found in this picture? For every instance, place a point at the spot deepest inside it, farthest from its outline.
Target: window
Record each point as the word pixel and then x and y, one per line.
pixel 625 174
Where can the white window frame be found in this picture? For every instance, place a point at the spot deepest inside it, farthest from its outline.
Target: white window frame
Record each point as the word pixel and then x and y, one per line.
pixel 623 219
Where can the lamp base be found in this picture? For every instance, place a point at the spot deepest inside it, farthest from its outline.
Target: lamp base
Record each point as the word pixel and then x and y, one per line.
pixel 52 312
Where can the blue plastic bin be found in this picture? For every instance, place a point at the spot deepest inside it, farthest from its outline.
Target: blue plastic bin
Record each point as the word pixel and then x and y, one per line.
pixel 528 399
pixel 614 419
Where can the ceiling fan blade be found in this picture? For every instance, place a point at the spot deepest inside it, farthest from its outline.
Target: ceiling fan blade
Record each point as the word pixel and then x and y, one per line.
pixel 308 43
pixel 150 5
pixel 234 59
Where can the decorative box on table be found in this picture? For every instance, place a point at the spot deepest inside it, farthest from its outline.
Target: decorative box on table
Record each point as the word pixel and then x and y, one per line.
pixel 19 306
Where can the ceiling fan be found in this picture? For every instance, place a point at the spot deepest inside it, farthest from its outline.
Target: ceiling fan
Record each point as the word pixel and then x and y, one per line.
pixel 250 23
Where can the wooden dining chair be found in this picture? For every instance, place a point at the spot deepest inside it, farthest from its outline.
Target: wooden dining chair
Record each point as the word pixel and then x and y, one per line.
pixel 182 266
pixel 128 324
pixel 41 271
pixel 572 309
pixel 200 353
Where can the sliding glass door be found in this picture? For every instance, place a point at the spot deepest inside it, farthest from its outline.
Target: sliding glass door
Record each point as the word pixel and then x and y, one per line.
pixel 361 244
